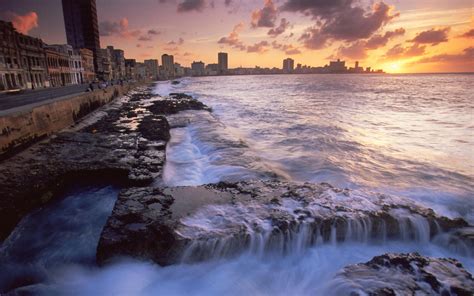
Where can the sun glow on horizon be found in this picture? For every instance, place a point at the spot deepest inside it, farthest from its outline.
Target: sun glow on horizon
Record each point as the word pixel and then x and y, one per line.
pixel 395 67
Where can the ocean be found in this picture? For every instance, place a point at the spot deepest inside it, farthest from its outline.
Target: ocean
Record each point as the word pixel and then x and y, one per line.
pixel 409 135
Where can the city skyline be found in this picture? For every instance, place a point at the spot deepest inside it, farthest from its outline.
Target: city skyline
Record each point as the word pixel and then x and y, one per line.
pixel 397 36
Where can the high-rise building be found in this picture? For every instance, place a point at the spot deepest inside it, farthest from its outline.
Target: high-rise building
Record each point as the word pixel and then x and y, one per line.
pixel 288 65
pixel 167 62
pixel 82 28
pixel 223 62
pixel 151 68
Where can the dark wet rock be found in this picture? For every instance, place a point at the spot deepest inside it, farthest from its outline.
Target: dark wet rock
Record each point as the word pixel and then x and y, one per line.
pixel 404 274
pixel 175 82
pixel 177 102
pixel 227 218
pixel 123 143
pixel 155 128
pixel 143 221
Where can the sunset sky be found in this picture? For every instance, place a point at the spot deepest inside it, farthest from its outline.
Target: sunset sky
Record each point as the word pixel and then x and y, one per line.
pixel 396 35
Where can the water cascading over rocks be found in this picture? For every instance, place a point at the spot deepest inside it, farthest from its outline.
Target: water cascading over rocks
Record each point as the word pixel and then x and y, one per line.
pixel 189 224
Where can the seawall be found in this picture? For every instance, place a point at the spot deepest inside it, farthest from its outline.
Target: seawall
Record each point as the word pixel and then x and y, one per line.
pixel 28 124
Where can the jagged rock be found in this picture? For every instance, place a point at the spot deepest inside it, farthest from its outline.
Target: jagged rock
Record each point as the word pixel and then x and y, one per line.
pixel 404 274
pixel 155 128
pixel 121 143
pixel 177 102
pixel 198 223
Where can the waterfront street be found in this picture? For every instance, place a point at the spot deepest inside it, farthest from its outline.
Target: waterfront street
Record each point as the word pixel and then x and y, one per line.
pixel 9 101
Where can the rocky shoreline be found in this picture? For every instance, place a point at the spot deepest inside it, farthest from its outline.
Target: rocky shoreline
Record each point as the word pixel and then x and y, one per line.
pixel 124 143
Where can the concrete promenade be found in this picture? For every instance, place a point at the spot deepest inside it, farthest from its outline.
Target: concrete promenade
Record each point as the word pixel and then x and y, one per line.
pixel 38 114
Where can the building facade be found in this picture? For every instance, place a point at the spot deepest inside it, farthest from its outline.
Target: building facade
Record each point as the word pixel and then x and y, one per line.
pixel 141 71
pixel 77 69
pixel 22 60
pixel 104 65
pixel 59 62
pixel 33 61
pixel 198 68
pixel 82 28
pixel 130 68
pixel 223 62
pixel 118 62
pixel 152 69
pixel 87 59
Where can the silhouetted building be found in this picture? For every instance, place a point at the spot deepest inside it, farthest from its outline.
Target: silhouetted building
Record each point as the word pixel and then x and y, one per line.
pixel 198 68
pixel 82 28
pixel 213 69
pixel 337 66
pixel 288 65
pixel 167 62
pixel 223 62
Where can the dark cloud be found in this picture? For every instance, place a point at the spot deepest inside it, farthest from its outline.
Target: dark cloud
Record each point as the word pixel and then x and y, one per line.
pixel 467 56
pixel 118 28
pixel 377 40
pixel 191 5
pixel 144 38
pixel 228 2
pixel 432 36
pixel 284 24
pixel 234 39
pixel 259 47
pixel 153 32
pixel 180 41
pixel 312 38
pixel 340 20
pixel 355 23
pixel 266 16
pixel 173 49
pixel 399 51
pixel 316 8
pixel 356 50
pixel 468 34
pixel 289 49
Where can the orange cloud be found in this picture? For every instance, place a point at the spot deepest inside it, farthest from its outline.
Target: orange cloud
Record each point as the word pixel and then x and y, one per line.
pixel 24 23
